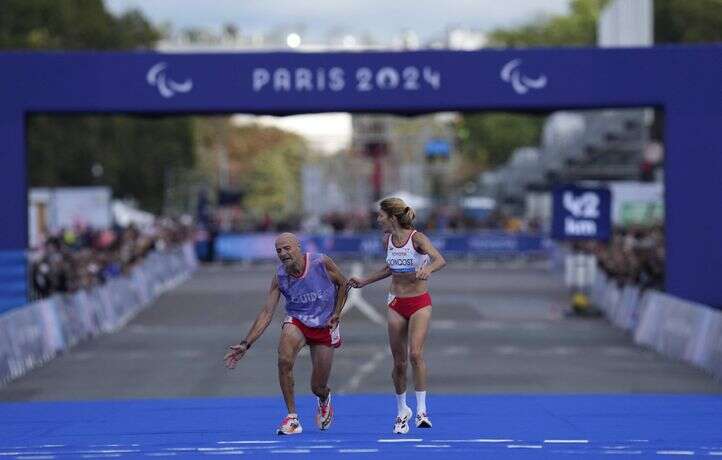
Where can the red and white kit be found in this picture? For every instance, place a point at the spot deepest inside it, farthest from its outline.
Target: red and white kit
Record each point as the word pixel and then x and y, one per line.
pixel 406 259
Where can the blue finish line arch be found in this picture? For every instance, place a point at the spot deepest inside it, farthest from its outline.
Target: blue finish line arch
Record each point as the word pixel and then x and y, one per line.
pixel 683 81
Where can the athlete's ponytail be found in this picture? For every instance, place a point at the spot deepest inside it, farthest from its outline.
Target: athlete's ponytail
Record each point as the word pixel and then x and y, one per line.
pixel 396 207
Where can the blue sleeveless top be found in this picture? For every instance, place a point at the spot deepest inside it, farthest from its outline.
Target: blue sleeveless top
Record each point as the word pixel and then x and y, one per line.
pixel 311 297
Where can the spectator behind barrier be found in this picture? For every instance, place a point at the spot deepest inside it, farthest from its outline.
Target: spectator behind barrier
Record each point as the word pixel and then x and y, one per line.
pixel 633 256
pixel 80 258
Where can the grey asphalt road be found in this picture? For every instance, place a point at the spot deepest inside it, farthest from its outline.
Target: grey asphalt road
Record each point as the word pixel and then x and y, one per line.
pixel 494 330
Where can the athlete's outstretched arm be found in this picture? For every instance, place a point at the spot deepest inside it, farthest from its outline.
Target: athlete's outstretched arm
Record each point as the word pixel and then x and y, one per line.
pixel 236 352
pixel 342 288
pixel 423 244
pixel 385 272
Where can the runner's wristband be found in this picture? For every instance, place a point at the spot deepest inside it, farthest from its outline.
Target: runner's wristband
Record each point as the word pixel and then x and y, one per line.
pixel 244 342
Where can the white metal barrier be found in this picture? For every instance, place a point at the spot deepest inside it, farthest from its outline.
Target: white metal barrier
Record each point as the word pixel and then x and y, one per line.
pixel 677 328
pixel 35 333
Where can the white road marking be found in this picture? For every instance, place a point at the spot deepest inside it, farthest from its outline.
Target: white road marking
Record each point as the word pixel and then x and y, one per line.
pixel 291 451
pixel 401 440
pixel 524 446
pixel 234 452
pixel 438 446
pixel 566 441
pixel 355 299
pixel 491 440
pixel 248 442
pixel 675 452
pixel 365 369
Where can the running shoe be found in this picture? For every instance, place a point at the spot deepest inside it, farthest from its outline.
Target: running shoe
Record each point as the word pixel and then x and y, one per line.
pixel 422 420
pixel 290 425
pixel 402 422
pixel 324 413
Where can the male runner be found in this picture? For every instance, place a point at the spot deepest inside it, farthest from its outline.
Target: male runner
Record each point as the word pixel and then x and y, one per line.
pixel 315 292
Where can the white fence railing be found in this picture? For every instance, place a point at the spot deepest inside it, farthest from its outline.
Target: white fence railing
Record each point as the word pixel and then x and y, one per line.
pixel 35 333
pixel 677 328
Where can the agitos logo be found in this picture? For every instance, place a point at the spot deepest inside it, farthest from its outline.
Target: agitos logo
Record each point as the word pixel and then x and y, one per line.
pixel 511 73
pixel 167 87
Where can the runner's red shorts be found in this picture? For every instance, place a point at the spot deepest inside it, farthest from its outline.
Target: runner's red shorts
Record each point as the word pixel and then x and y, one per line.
pixel 407 306
pixel 317 335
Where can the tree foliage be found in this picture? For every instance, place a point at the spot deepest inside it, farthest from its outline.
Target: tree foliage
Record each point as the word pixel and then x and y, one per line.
pixel 264 164
pixel 488 140
pixel 135 153
pixel 697 21
pixel 578 27
pixel 71 25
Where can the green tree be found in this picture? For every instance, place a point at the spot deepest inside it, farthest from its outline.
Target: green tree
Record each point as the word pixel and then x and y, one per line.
pixel 488 139
pixel 274 184
pixel 135 153
pixel 578 27
pixel 71 25
pixel 263 163
pixel 698 21
pixel 271 173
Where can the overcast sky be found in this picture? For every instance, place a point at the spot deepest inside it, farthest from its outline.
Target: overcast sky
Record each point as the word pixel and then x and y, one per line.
pixel 379 18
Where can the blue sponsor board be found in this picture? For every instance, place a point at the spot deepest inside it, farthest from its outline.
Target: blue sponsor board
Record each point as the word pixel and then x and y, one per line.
pixel 256 247
pixel 437 148
pixel 581 213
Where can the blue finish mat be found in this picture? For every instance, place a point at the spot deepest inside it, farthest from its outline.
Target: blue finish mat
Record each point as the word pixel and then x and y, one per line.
pixel 503 426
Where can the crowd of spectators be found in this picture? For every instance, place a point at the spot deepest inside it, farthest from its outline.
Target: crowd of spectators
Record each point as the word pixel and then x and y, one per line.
pixel 634 255
pixel 442 219
pixel 82 257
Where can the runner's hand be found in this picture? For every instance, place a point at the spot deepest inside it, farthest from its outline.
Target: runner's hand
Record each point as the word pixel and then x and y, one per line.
pixel 234 355
pixel 423 273
pixel 356 282
pixel 333 322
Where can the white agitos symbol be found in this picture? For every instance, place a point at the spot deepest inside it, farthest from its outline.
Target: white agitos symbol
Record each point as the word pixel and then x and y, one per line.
pixel 166 87
pixel 512 74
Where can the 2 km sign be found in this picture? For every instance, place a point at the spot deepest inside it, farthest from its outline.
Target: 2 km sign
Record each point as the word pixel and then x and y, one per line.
pixel 581 213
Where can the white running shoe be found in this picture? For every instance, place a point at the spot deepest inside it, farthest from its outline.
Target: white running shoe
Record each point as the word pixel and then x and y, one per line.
pixel 290 425
pixel 402 422
pixel 324 413
pixel 423 421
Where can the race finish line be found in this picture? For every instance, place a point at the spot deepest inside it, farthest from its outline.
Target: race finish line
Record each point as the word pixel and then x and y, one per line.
pixel 596 426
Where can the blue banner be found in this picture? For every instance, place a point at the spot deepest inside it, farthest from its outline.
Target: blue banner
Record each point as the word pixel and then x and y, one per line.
pixel 257 247
pixel 13 280
pixel 581 213
pixel 538 79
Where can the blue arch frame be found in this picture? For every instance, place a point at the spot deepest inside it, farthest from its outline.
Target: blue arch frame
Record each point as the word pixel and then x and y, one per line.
pixel 683 81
